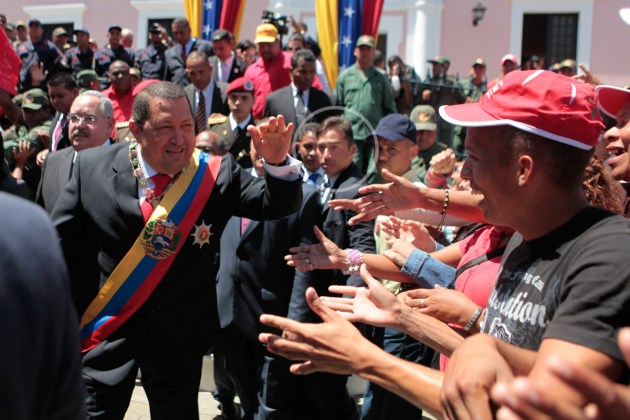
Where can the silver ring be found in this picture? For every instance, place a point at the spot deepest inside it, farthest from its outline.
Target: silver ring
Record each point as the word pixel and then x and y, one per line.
pixel 422 303
pixel 308 261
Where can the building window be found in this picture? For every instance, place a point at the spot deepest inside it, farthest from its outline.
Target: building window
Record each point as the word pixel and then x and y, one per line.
pixel 551 36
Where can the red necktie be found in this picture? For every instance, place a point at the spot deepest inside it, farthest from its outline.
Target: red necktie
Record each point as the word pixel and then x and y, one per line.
pixel 160 181
pixel 184 54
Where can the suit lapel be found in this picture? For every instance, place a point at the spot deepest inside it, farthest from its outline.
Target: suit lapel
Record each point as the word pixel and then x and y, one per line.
pixel 288 99
pixel 124 188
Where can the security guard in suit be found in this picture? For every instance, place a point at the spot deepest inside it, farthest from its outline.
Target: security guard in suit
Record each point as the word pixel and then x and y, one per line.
pixel 233 127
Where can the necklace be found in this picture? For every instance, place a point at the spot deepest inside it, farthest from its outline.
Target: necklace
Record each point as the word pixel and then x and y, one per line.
pixel 149 193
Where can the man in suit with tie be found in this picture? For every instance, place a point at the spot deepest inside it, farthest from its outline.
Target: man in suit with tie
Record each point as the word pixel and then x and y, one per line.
pixel 91 123
pixel 240 98
pixel 155 210
pixel 336 150
pixel 176 55
pixel 206 96
pixel 225 65
pixel 300 99
pixel 306 145
pixel 254 279
pixel 62 90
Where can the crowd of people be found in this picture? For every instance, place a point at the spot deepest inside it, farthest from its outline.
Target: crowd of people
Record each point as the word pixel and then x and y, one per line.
pixel 457 243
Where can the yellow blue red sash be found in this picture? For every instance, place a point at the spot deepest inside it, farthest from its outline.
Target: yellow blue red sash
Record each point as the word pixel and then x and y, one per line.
pixel 150 257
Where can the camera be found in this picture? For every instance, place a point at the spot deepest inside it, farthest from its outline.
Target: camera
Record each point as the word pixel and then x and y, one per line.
pixel 279 22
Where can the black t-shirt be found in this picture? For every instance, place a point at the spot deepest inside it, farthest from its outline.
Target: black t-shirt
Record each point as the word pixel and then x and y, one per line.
pixel 572 284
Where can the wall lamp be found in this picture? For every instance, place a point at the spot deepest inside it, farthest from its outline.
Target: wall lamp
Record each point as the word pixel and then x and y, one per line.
pixel 478 11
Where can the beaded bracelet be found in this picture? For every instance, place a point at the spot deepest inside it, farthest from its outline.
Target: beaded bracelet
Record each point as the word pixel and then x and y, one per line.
pixel 353 262
pixel 474 319
pixel 444 207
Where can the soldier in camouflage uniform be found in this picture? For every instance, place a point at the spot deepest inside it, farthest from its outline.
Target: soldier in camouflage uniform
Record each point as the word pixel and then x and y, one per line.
pixel 38 118
pixel 441 89
pixel 80 57
pixel 39 52
pixel 150 60
pixel 113 51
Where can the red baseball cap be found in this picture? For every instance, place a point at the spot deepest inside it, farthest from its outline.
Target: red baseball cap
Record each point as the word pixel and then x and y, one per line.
pixel 611 99
pixel 540 102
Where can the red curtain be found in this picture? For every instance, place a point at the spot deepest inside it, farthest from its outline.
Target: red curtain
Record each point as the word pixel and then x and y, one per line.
pixel 231 15
pixel 372 10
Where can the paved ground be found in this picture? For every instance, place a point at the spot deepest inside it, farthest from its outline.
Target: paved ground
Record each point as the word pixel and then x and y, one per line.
pixel 208 407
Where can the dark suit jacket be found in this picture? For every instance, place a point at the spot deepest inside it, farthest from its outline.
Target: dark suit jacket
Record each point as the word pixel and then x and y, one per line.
pixel 336 228
pixel 281 101
pixel 56 173
pixel 253 275
pixel 219 98
pixel 176 67
pixel 237 70
pixel 36 308
pixel 64 141
pixel 181 312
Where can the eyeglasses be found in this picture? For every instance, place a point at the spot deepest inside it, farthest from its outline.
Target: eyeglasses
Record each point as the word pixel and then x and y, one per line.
pixel 76 118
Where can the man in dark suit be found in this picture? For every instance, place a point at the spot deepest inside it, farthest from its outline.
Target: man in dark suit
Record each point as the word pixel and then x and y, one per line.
pixel 168 321
pixel 206 96
pixel 84 134
pixel 36 308
pixel 300 99
pixel 62 90
pixel 176 55
pixel 225 65
pixel 254 279
pixel 327 392
pixel 240 99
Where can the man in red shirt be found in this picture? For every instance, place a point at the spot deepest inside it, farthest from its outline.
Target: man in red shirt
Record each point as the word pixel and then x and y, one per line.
pixel 120 90
pixel 272 69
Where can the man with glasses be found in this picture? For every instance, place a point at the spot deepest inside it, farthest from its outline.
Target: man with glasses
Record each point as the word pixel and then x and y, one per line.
pixel 91 120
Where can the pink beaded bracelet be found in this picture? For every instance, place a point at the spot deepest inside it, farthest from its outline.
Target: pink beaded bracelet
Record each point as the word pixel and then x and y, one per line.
pixel 354 259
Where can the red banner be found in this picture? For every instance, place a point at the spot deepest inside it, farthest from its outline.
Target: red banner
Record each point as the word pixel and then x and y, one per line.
pixel 9 65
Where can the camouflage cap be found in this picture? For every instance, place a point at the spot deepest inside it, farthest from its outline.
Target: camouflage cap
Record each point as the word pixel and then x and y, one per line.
pixel 85 77
pixel 366 40
pixel 134 71
pixel 423 116
pixel 439 59
pixel 570 63
pixel 478 62
pixel 34 99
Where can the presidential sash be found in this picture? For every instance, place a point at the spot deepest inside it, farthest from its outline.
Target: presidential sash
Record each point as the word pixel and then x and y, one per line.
pixel 141 270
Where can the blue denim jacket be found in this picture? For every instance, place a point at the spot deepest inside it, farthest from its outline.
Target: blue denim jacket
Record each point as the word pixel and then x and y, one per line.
pixel 428 272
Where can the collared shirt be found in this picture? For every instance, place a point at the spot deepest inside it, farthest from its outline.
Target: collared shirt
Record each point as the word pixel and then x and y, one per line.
pixel 208 93
pixel 233 124
pixel 306 176
pixel 224 68
pixel 305 96
pixel 189 45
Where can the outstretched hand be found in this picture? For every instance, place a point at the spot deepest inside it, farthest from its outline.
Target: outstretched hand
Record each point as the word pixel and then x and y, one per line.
pixel 399 194
pixel 374 305
pixel 334 345
pixel 272 139
pixel 324 255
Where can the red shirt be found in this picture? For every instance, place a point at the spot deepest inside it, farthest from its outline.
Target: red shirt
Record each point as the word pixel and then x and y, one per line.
pixel 269 76
pixel 122 104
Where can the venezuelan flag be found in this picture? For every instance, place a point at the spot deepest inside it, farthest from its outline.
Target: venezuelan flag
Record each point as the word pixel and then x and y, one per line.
pixel 339 24
pixel 221 14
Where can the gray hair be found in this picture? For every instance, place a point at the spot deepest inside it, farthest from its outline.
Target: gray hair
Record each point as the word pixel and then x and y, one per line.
pixel 106 107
